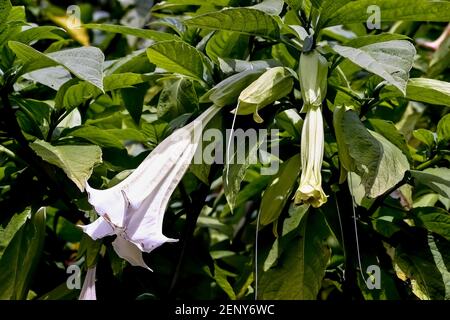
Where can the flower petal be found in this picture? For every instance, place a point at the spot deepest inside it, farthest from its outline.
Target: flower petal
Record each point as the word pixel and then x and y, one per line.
pixel 88 289
pixel 108 203
pixel 312 147
pixel 144 227
pixel 98 229
pixel 128 251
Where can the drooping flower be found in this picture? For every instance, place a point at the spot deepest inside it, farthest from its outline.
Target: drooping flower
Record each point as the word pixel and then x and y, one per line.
pixel 88 289
pixel 133 210
pixel 312 145
pixel 313 82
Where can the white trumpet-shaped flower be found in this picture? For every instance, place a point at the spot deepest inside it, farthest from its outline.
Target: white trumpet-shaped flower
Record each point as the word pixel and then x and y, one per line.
pixel 312 143
pixel 133 210
pixel 88 289
pixel 313 82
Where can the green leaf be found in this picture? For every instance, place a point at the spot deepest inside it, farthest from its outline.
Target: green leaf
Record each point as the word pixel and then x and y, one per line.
pixel 5 8
pixel 21 257
pixel 97 136
pixel 290 121
pixel 290 226
pixel 371 39
pixel 243 20
pixel 123 80
pixel 91 249
pixel 220 275
pixel 7 233
pixel 238 163
pixel 227 44
pixel 443 129
pixel 279 190
pixel 378 162
pixel 294 4
pixel 179 57
pixel 74 93
pixel 39 33
pixel 86 62
pixel 76 161
pixel 388 130
pixel 251 190
pixel 348 12
pixel 301 268
pixel 329 7
pixel 272 7
pixel 177 97
pixel 425 136
pixel 391 60
pixel 230 66
pixel 437 179
pixel 433 219
pixel 130 31
pixel 424 260
pixel 133 100
pixel 430 91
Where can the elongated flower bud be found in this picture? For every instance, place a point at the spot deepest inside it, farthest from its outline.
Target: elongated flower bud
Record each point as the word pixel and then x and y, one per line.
pixel 227 92
pixel 313 81
pixel 271 86
pixel 313 78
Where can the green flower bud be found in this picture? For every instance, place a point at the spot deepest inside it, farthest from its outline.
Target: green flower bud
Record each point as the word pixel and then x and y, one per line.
pixel 271 86
pixel 227 92
pixel 313 71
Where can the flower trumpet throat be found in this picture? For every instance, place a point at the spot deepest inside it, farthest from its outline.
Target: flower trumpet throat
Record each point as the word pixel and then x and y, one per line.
pixel 313 82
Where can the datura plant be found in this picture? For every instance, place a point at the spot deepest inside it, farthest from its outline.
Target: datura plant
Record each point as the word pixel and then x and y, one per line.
pixel 238 149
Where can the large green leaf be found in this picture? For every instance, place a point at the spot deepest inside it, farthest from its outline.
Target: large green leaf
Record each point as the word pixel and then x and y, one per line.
pixel 391 60
pixel 74 93
pixel 347 12
pixel 130 31
pixel 227 44
pixel 272 7
pixel 443 129
pixel 424 260
pixel 433 219
pixel 86 62
pixel 21 258
pixel 277 193
pixel 179 57
pixel 7 233
pixel 388 130
pixel 289 232
pixel 301 268
pixel 39 33
pixel 98 136
pixel 437 179
pixel 430 91
pixel 5 8
pixel 378 162
pixel 77 161
pixel 243 20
